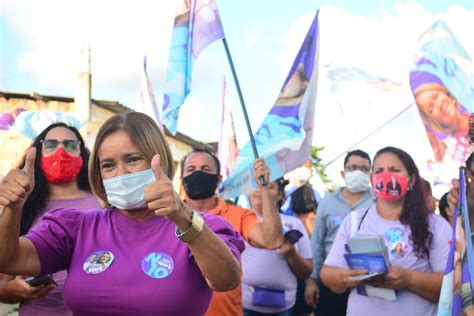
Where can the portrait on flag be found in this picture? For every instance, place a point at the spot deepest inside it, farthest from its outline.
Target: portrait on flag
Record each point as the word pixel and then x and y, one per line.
pixel 440 83
pixel 285 136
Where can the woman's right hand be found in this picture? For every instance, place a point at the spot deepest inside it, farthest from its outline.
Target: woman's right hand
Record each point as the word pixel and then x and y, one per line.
pixel 19 288
pixel 347 278
pixel 311 293
pixel 453 195
pixel 17 184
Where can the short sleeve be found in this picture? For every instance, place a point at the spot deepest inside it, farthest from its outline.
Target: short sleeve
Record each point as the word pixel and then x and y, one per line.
pixel 439 251
pixel 54 239
pixel 335 257
pixel 224 231
pixel 304 245
pixel 249 220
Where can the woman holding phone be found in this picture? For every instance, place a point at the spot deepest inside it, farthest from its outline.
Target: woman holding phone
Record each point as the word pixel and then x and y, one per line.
pixel 61 167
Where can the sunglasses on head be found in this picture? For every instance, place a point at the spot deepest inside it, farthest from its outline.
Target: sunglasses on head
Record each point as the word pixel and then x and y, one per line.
pixel 70 145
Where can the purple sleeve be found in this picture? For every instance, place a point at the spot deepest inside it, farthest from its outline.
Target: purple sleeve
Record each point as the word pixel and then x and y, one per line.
pixel 335 257
pixel 442 234
pixel 224 231
pixel 54 239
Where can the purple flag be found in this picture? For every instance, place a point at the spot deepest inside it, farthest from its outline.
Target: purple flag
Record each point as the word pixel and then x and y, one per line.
pixel 456 291
pixel 284 139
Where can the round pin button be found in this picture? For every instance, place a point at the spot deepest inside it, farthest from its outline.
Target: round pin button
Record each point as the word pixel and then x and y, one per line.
pixel 98 262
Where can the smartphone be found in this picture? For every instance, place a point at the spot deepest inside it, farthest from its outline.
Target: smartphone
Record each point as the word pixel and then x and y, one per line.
pixel 35 281
pixel 293 236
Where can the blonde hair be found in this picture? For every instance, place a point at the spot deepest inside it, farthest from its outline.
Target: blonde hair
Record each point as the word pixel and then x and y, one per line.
pixel 144 133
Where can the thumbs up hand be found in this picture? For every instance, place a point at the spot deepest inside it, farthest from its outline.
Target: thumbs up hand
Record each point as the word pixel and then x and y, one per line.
pixel 17 185
pixel 160 195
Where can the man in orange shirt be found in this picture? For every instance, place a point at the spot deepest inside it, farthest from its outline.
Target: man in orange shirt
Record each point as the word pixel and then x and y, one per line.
pixel 200 175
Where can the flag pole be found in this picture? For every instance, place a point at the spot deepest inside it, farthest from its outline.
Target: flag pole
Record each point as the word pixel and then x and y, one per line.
pixel 242 103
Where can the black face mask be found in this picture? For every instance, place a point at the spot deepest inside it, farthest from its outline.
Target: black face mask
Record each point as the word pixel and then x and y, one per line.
pixel 200 185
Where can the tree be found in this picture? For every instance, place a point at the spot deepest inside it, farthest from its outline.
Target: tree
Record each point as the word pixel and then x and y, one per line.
pixel 319 166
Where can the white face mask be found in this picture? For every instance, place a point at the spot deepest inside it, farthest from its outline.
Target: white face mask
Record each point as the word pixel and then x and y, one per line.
pixel 357 181
pixel 127 192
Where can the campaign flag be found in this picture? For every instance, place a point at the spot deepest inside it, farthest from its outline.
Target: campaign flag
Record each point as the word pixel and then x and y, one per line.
pixel 441 82
pixel 7 119
pixel 456 290
pixel 284 139
pixel 197 24
pixel 227 150
pixel 32 123
pixel 147 102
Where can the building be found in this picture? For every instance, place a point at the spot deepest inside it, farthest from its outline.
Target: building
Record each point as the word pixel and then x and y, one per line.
pixel 13 144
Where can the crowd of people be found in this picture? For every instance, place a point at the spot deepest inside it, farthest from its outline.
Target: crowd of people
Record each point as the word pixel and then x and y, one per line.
pixel 117 239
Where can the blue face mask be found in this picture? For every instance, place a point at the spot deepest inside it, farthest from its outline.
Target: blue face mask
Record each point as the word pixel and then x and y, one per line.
pixel 127 192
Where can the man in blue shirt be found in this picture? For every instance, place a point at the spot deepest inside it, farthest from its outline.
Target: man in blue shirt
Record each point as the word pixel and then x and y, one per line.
pixel 356 194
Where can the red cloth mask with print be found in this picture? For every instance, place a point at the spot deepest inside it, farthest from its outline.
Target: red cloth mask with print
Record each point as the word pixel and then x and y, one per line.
pixel 389 186
pixel 61 167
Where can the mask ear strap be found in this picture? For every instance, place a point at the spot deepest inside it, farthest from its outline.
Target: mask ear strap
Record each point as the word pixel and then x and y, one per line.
pixel 410 186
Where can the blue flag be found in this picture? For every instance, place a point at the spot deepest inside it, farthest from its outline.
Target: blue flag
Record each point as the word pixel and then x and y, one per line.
pixel 456 290
pixel 32 123
pixel 197 24
pixel 284 139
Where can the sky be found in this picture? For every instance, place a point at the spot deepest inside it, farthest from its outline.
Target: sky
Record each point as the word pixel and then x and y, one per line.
pixel 40 44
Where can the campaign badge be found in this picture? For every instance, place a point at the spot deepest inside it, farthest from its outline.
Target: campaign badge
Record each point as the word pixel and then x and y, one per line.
pixel 393 234
pixel 98 262
pixel 157 265
pixel 399 250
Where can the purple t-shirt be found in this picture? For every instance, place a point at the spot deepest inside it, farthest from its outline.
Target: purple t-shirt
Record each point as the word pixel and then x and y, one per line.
pixel 53 304
pixel 147 270
pixel 401 254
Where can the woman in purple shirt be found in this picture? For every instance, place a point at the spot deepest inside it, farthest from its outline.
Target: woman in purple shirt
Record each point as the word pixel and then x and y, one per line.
pixel 165 259
pixel 417 242
pixel 61 181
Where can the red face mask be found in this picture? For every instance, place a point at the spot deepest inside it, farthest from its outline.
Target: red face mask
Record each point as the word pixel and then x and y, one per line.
pixel 61 167
pixel 389 186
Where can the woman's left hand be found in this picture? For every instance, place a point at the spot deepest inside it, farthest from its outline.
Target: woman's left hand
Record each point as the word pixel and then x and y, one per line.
pixel 397 278
pixel 160 195
pixel 286 249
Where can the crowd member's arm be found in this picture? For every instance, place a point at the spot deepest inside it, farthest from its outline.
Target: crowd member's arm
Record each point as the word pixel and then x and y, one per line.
pixel 268 233
pixel 311 292
pixel 18 256
pixel 6 297
pixel 300 266
pixel 319 253
pixel 14 289
pixel 335 273
pixel 214 258
pixel 453 197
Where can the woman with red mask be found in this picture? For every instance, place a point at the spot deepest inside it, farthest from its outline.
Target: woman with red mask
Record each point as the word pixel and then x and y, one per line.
pixel 61 181
pixel 416 238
